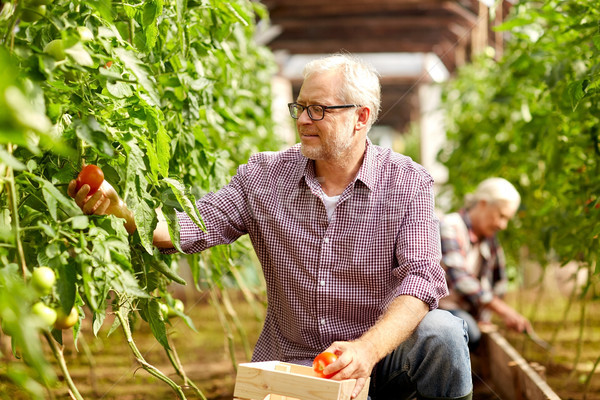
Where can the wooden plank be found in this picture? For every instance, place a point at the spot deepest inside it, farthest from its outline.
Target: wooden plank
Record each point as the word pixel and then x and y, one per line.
pixel 258 380
pixel 510 373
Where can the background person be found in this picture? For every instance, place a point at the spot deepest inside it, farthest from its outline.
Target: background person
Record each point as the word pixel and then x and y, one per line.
pixel 474 260
pixel 348 241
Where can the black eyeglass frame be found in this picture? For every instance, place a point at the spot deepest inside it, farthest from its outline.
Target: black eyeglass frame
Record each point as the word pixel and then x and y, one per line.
pixel 308 108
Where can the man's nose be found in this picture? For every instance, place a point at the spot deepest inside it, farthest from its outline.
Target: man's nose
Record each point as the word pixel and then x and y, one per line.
pixel 303 118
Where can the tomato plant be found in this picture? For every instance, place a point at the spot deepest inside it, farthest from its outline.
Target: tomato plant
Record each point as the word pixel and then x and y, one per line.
pixel 321 361
pixel 92 176
pixel 166 98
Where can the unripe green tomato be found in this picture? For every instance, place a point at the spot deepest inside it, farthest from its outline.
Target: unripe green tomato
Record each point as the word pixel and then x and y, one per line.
pixel 7 327
pixel 164 310
pixel 33 13
pixel 46 314
pixel 177 306
pixel 55 49
pixel 42 280
pixel 64 321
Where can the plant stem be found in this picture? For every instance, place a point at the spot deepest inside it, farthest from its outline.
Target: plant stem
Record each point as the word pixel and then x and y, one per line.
pixel 11 190
pixel 174 359
pixel 92 362
pixel 58 354
pixel 140 358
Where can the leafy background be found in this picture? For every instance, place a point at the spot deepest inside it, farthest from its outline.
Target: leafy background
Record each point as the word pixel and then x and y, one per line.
pixel 167 97
pixel 533 118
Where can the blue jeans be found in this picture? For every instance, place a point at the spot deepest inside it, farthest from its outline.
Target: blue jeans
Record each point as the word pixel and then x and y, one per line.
pixel 472 327
pixel 433 363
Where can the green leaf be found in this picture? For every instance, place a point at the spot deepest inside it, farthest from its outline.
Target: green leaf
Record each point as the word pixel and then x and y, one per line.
pixel 157 325
pixel 10 160
pixel 80 222
pixel 576 92
pixel 596 40
pixel 119 89
pixel 80 55
pixel 66 286
pixel 173 224
pixel 188 205
pixel 164 269
pixel 137 68
pixel 55 197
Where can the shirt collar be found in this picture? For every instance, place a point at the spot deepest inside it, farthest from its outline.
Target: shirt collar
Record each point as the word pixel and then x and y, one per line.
pixel 367 172
pixel 465 216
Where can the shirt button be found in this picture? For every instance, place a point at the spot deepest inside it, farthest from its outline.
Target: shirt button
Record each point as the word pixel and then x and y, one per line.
pixel 322 283
pixel 326 240
pixel 323 321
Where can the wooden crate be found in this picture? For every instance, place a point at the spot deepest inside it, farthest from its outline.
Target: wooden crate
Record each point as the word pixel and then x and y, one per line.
pixel 275 380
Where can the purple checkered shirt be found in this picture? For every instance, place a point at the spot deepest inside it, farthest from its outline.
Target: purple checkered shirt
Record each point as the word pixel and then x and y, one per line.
pixel 327 281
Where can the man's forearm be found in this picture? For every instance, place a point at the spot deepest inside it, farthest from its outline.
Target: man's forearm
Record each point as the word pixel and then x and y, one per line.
pixel 396 325
pixel 161 237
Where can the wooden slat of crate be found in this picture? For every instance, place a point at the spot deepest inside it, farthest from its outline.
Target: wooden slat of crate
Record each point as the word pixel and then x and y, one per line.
pixel 510 373
pixel 257 380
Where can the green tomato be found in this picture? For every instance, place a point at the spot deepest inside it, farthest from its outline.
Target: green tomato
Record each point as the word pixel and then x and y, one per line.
pixel 64 321
pixel 55 49
pixel 32 14
pixel 8 327
pixel 177 306
pixel 164 310
pixel 42 280
pixel 46 314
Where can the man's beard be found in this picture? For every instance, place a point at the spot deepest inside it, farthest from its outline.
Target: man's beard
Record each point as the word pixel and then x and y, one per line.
pixel 335 149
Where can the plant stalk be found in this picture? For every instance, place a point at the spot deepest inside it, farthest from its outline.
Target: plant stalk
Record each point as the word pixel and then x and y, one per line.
pixel 58 354
pixel 176 362
pixel 152 370
pixel 11 190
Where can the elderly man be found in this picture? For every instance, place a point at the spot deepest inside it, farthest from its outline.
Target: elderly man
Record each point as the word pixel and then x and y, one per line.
pixel 474 260
pixel 348 241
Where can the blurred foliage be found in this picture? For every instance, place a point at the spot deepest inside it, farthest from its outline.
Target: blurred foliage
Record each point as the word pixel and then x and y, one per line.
pixel 167 97
pixel 532 117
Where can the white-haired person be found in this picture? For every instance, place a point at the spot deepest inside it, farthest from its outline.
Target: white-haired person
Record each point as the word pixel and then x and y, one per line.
pixel 474 260
pixel 348 241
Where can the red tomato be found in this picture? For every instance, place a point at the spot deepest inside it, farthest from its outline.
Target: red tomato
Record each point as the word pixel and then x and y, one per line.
pixel 321 361
pixel 92 176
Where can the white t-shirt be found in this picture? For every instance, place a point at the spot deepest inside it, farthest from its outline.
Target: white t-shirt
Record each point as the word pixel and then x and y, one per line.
pixel 330 203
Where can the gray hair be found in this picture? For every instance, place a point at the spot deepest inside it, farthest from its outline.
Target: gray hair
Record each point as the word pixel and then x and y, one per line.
pixel 360 81
pixel 494 190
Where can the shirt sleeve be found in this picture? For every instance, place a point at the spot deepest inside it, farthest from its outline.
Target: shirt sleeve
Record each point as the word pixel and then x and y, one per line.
pixel 418 251
pixel 454 259
pixel 224 213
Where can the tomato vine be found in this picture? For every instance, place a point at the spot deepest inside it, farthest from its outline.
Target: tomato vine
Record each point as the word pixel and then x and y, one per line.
pixel 166 97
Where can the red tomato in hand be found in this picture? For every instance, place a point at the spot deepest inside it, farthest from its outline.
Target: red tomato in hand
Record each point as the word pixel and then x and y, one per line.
pixel 321 361
pixel 90 175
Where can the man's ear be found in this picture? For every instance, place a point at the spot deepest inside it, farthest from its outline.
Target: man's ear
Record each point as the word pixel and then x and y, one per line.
pixel 363 118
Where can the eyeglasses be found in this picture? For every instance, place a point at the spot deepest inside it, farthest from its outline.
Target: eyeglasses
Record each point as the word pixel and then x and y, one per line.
pixel 316 112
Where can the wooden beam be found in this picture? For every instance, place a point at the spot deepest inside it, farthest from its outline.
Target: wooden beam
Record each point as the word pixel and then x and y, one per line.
pixel 511 375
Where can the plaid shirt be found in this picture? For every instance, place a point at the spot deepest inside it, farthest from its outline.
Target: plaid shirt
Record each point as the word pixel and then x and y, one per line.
pixel 475 269
pixel 327 281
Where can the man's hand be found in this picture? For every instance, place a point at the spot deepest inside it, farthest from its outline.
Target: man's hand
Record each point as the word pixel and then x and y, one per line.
pixel 105 201
pixel 511 318
pixel 355 361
